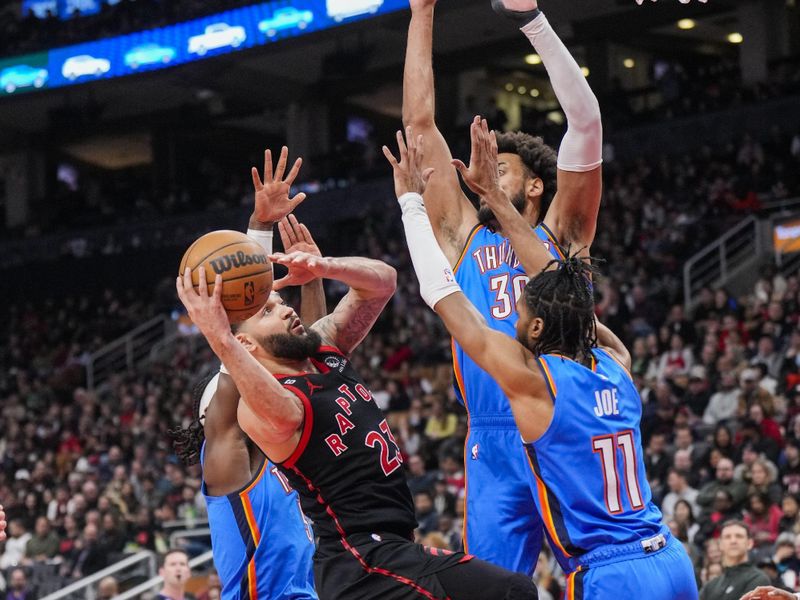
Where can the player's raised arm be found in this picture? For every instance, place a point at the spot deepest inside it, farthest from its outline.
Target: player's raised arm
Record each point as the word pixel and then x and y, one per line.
pixel 371 282
pixel 482 177
pixel 506 360
pixel 273 415
pixel 451 213
pixel 573 213
pixel 297 238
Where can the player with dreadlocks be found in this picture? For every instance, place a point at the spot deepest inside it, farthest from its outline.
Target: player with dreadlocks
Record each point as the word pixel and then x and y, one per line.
pixel 567 381
pixel 262 543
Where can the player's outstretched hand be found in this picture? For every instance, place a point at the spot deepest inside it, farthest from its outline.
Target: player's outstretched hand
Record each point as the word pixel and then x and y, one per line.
pixel 272 202
pixel 3 524
pixel 296 237
pixel 409 174
pixel 303 268
pixel 767 592
pixel 205 311
pixel 482 175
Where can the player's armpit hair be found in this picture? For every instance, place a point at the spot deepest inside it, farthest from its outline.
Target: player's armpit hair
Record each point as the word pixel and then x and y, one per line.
pixel 187 442
pixel 539 158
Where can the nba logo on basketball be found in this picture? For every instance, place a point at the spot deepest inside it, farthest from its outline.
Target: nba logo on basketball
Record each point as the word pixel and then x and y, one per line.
pixel 249 292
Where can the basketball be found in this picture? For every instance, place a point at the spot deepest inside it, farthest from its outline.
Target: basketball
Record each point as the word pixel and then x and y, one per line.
pixel 244 266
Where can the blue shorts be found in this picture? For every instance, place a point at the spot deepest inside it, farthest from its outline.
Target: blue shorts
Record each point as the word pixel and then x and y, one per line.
pixel 501 522
pixel 665 574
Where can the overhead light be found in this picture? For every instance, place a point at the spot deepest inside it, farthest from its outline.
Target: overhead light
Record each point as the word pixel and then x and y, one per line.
pixel 535 93
pixel 522 89
pixel 556 117
pixel 735 38
pixel 509 87
pixel 629 63
pixel 533 59
pixel 585 71
pixel 686 24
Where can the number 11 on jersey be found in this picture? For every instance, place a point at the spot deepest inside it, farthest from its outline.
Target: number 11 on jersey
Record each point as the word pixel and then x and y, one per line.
pixel 606 446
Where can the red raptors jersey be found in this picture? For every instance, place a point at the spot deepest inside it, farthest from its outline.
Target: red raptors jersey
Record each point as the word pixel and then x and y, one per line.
pixel 347 467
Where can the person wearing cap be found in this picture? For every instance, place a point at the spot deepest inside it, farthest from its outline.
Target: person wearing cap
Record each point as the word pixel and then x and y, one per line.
pixel 739 575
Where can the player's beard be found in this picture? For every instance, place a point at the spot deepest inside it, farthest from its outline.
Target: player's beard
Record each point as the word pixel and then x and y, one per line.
pixel 486 216
pixel 292 347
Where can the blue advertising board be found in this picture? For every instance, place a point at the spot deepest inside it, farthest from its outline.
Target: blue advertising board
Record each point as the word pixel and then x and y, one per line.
pixel 220 33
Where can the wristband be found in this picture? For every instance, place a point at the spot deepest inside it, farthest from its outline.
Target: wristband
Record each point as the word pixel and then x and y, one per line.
pixel 263 237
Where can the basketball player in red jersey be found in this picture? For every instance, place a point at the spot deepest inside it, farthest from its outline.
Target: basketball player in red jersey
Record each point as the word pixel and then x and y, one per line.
pixel 312 415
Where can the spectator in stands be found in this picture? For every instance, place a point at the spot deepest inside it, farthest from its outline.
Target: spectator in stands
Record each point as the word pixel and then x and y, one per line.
pixel 790 506
pixel 44 542
pixel 88 556
pixel 739 576
pixel 427 517
pixel 723 404
pixel 686 523
pixel 762 480
pixel 676 362
pixel 763 518
pixel 737 490
pixel 418 479
pixel 15 546
pixel 679 489
pixel 107 588
pixel 697 393
pixel 18 586
pixel 213 587
pixel 176 573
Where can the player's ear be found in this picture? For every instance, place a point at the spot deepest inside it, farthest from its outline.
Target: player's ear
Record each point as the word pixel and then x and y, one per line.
pixel 247 341
pixel 534 187
pixel 535 328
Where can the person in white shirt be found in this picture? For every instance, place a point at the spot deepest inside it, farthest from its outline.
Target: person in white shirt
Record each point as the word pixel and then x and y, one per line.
pixel 723 404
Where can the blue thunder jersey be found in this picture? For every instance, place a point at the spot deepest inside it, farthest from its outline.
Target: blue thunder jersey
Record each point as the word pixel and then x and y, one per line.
pixel 261 541
pixel 501 526
pixel 589 477
pixel 492 278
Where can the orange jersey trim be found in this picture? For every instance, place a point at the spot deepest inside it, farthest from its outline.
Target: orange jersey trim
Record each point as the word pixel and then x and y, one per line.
pixel 547 515
pixel 466 246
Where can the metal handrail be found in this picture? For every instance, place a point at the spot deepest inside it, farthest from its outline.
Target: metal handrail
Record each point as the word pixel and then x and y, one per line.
pixel 158 580
pixel 726 253
pixel 122 348
pixel 188 533
pixel 144 556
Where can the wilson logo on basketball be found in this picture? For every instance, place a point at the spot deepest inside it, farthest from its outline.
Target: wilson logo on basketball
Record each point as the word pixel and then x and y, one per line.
pixel 234 261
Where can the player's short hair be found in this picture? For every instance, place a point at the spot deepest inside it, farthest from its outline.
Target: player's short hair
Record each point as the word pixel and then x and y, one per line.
pixel 735 523
pixel 564 300
pixel 539 159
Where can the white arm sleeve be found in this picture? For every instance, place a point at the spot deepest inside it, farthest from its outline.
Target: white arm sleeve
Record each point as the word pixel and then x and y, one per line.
pixel 582 147
pixel 264 238
pixel 436 279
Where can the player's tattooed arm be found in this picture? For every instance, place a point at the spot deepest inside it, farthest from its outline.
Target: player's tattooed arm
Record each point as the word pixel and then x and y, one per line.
pixel 273 415
pixel 371 282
